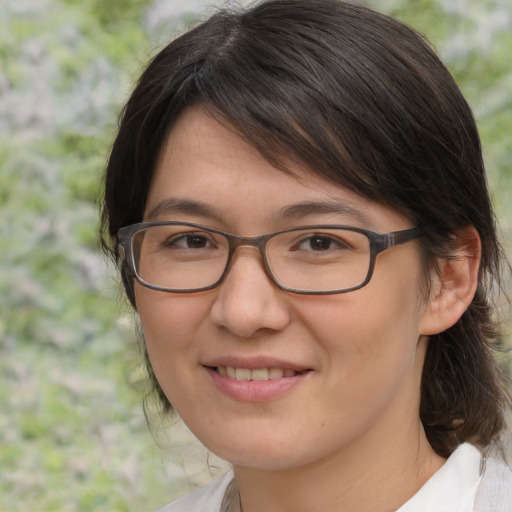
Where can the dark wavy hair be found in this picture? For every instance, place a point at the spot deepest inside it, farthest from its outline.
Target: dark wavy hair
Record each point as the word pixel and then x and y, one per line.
pixel 363 101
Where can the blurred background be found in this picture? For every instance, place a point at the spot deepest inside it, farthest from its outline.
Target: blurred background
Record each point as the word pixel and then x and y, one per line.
pixel 72 431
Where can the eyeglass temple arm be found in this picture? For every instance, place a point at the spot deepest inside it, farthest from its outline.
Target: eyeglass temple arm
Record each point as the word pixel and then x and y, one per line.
pixel 406 235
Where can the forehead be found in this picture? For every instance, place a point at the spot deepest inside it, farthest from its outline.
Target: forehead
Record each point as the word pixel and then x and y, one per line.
pixel 207 170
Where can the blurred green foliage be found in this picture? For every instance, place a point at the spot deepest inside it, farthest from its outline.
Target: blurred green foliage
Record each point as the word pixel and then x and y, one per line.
pixel 72 433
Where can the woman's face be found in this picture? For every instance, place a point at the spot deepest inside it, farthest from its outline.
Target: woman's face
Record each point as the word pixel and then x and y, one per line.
pixel 357 357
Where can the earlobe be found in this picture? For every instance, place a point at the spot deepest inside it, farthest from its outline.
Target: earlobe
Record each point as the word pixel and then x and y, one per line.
pixel 455 284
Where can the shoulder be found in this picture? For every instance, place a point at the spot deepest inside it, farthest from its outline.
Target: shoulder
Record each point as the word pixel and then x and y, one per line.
pixel 495 490
pixel 205 499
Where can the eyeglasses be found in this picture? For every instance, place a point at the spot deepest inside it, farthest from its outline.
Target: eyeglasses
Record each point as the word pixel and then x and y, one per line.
pixel 183 257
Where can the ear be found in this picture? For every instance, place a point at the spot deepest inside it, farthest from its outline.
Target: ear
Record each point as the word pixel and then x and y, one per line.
pixel 454 286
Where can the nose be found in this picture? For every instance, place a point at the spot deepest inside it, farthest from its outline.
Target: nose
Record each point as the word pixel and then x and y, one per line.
pixel 248 302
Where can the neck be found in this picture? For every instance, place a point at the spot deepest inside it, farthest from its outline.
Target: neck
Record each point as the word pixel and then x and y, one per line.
pixel 369 476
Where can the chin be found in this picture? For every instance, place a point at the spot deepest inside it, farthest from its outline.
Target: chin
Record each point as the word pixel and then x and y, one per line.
pixel 263 461
pixel 264 454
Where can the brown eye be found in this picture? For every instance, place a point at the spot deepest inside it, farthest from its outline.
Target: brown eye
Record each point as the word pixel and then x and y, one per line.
pixel 190 241
pixel 318 243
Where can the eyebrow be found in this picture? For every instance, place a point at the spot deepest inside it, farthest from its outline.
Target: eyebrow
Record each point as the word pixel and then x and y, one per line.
pixel 294 211
pixel 299 210
pixel 188 206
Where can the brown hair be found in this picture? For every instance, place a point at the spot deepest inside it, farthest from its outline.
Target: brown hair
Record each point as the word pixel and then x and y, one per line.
pixel 362 100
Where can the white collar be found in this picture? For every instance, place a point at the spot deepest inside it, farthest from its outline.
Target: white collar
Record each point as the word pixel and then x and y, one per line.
pixel 453 487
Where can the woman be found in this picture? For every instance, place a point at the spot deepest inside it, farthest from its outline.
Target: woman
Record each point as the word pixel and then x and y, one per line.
pixel 304 228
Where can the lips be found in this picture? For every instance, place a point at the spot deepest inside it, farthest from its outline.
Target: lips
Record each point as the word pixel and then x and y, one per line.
pixel 258 379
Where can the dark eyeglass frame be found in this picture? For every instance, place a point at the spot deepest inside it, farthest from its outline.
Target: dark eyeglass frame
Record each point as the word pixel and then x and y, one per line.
pixel 379 242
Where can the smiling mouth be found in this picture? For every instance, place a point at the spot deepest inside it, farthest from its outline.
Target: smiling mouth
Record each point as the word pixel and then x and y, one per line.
pixel 258 374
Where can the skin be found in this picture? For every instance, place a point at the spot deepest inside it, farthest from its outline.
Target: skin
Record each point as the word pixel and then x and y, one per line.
pixel 348 436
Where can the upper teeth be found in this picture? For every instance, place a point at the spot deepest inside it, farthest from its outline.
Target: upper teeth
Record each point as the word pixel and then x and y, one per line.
pixel 257 374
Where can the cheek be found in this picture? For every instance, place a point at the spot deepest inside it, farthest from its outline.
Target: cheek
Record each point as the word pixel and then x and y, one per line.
pixel 373 366
pixel 368 338
pixel 169 323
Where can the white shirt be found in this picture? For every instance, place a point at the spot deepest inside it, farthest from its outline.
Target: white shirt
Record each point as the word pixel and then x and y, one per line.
pixel 465 483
